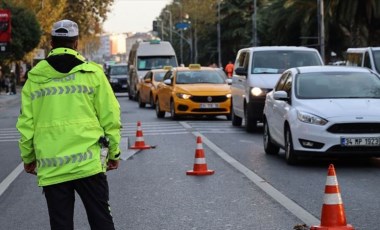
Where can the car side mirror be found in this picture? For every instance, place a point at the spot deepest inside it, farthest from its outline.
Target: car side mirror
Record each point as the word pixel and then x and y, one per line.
pixel 148 80
pixel 168 81
pixel 241 71
pixel 229 81
pixel 281 95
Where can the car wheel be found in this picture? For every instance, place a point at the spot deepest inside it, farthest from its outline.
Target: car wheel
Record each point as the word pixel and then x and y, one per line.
pixel 151 102
pixel 250 123
pixel 229 117
pixel 172 110
pixel 141 104
pixel 269 147
pixel 290 156
pixel 236 121
pixel 159 113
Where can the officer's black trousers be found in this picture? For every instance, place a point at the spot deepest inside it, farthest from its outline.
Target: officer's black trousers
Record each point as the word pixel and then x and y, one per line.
pixel 94 194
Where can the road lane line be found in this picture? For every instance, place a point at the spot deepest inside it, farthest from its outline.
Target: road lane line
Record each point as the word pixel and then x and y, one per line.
pixel 10 178
pixel 293 207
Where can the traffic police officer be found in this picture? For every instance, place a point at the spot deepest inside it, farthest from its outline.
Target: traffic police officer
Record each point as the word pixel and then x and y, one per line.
pixel 67 106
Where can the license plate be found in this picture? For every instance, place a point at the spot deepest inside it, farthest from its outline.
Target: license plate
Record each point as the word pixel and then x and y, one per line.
pixel 123 86
pixel 360 141
pixel 209 105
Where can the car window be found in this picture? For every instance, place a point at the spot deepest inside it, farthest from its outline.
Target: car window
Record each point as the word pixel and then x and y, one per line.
pixel 159 76
pixel 197 77
pixel 118 70
pixel 367 61
pixel 337 85
pixel 288 84
pixel 242 60
pixel 276 61
pixel 376 57
pixel 148 75
pixel 281 81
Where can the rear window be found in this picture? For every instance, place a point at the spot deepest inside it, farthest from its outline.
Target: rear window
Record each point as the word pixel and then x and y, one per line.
pixel 276 61
pixel 119 70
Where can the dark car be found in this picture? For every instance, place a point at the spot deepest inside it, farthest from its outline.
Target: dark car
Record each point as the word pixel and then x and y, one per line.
pixel 117 75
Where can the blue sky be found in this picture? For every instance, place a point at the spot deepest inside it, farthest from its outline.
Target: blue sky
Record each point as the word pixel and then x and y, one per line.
pixel 133 15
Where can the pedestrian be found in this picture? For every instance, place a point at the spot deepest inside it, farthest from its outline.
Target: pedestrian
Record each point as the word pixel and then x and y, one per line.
pixel 69 115
pixel 229 69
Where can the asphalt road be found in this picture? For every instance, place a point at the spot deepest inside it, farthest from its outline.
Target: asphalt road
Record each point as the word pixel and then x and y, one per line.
pixel 151 190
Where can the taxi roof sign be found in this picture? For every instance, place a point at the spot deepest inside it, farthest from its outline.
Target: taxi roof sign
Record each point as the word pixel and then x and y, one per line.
pixel 167 67
pixel 194 66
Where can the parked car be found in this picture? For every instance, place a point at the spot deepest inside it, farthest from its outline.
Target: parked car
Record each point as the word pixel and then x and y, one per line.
pixel 257 70
pixel 117 75
pixel 147 87
pixel 323 111
pixel 194 90
pixel 365 57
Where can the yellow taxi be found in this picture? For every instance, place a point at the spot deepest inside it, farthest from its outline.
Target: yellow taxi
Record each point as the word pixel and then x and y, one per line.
pixel 194 90
pixel 147 87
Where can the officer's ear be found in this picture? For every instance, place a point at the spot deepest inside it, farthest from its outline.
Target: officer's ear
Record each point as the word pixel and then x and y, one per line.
pixel 75 44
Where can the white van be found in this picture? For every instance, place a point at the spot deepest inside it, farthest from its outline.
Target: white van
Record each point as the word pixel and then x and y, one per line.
pixel 147 55
pixel 256 71
pixel 364 57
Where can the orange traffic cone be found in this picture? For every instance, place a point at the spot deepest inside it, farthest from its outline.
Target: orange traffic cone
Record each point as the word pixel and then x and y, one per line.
pixel 140 143
pixel 333 215
pixel 200 166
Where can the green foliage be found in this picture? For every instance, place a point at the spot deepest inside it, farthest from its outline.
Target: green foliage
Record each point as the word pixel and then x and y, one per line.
pixel 26 33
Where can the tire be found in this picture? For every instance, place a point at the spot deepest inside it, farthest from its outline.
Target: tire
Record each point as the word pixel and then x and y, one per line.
pixel 173 115
pixel 236 121
pixel 141 104
pixel 269 147
pixel 250 123
pixel 159 113
pixel 229 117
pixel 290 155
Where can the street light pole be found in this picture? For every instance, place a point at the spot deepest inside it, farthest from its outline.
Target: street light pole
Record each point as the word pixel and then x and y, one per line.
pixel 170 24
pixel 321 28
pixel 181 42
pixel 219 42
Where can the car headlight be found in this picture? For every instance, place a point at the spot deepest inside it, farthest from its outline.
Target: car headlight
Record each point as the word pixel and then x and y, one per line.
pixel 256 91
pixel 113 80
pixel 228 95
pixel 310 118
pixel 183 95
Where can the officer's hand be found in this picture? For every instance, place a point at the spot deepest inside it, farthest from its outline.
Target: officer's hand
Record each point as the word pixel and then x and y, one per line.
pixel 30 168
pixel 112 164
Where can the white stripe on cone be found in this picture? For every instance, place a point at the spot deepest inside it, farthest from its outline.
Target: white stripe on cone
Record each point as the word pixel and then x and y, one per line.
pixel 200 161
pixel 332 199
pixel 331 180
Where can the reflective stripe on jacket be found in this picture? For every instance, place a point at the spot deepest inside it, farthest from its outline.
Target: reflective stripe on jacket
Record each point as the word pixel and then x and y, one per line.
pixel 63 115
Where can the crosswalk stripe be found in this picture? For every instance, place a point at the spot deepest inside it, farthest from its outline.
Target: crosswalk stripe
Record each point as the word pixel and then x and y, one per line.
pixel 153 129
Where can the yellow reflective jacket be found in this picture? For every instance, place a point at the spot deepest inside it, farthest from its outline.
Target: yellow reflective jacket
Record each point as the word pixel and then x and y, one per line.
pixel 67 104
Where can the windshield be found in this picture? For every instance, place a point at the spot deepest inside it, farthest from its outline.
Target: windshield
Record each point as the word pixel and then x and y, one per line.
pixel 200 77
pixel 276 61
pixel 159 76
pixel 376 56
pixel 119 70
pixel 337 85
pixel 157 62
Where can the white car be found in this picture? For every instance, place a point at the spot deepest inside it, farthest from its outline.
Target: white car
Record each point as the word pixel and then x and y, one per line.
pixel 323 110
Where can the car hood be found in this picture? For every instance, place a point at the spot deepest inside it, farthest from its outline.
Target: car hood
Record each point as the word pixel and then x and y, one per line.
pixel 203 89
pixel 264 81
pixel 329 108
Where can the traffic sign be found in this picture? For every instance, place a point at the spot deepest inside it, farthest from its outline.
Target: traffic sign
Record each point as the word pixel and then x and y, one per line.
pixel 182 25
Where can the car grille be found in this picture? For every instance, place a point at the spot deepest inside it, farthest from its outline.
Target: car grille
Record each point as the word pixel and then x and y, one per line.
pixel 206 99
pixel 355 128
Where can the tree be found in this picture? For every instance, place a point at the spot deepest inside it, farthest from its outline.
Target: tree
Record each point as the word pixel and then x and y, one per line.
pixel 26 33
